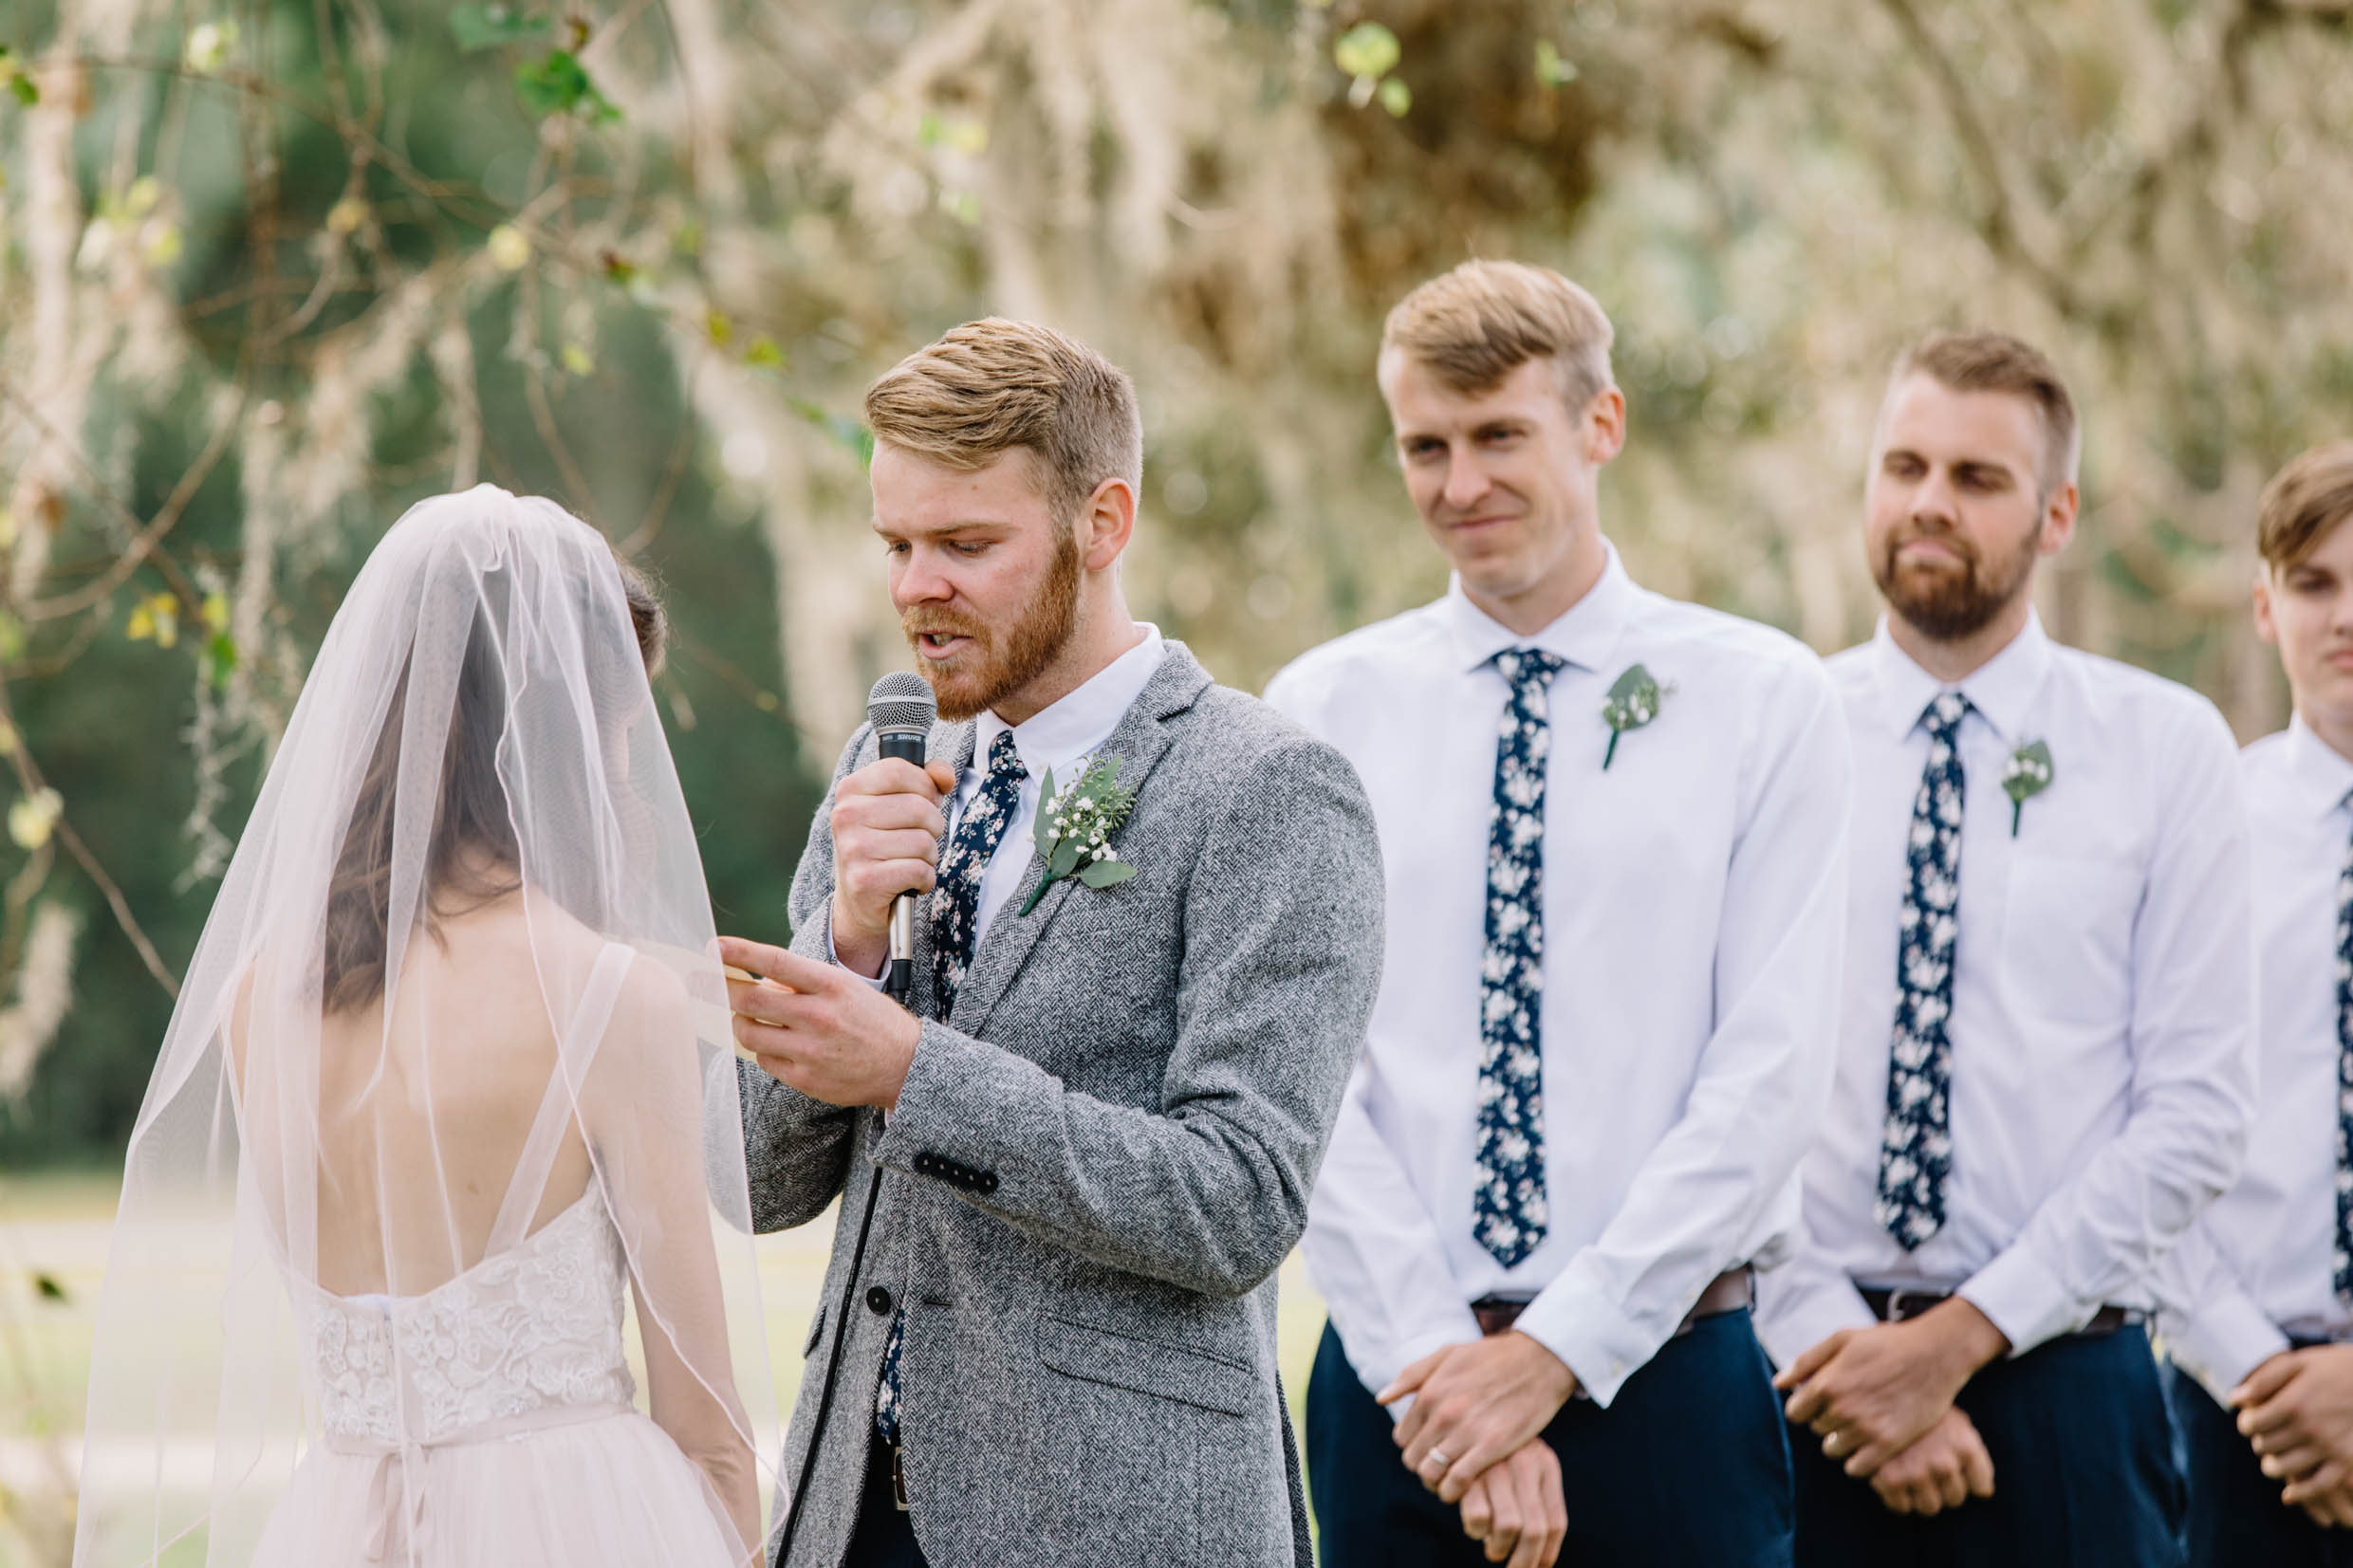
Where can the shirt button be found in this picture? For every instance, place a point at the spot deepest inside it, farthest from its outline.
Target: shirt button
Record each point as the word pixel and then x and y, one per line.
pixel 878 1300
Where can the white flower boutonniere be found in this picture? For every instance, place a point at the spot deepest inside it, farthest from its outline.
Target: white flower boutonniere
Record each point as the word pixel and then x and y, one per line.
pixel 1633 700
pixel 2026 774
pixel 1075 825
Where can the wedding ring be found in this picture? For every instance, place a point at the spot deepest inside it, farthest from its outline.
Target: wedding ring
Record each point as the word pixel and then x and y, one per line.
pixel 1831 1443
pixel 1439 1455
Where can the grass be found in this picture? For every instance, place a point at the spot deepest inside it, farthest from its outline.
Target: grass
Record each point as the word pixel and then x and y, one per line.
pixel 56 1228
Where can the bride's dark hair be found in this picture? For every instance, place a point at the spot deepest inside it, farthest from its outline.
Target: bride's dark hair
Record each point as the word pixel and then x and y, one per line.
pixel 470 856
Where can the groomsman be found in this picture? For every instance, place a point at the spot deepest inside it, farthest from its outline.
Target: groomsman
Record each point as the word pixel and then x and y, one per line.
pixel 1612 828
pixel 2262 1377
pixel 2045 1063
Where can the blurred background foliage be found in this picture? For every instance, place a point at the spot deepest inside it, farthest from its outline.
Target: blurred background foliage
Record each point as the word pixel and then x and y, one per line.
pixel 275 268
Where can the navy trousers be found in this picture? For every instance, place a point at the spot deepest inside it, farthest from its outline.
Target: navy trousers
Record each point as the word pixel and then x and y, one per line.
pixel 1689 1463
pixel 884 1538
pixel 2235 1513
pixel 2083 1474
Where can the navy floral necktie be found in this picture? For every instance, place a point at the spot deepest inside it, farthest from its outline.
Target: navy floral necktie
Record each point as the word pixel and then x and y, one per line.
pixel 956 919
pixel 1916 1150
pixel 2343 1280
pixel 1508 1193
pixel 955 902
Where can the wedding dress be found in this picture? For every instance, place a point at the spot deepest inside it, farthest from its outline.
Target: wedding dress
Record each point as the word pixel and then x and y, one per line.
pixel 447 1094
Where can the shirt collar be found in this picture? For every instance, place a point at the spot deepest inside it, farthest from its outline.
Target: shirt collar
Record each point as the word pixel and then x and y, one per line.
pixel 1585 634
pixel 1060 733
pixel 2001 690
pixel 2317 773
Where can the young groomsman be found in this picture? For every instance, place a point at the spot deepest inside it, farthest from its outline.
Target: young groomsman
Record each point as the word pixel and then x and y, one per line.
pixel 2045 1065
pixel 1612 827
pixel 2262 1375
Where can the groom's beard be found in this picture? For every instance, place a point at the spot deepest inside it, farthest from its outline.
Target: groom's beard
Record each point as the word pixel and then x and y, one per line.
pixel 1000 663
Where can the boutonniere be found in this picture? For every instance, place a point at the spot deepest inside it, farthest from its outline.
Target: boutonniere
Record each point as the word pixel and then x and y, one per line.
pixel 1075 825
pixel 2026 774
pixel 1633 700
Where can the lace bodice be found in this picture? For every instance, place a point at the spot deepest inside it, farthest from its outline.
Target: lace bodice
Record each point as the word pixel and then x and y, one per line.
pixel 535 1326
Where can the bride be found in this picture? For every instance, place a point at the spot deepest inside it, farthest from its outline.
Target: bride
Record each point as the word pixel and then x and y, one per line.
pixel 446 1095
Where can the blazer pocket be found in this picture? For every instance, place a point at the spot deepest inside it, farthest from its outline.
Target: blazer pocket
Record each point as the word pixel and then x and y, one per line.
pixel 817 1332
pixel 1145 1365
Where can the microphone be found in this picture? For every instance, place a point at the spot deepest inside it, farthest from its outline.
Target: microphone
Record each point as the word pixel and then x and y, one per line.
pixel 902 710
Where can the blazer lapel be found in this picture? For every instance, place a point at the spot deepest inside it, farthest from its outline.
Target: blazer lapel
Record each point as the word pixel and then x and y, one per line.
pixel 1139 743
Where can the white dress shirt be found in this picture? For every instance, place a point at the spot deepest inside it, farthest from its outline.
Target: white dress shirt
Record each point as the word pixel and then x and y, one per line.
pixel 2260 1261
pixel 1693 903
pixel 1062 737
pixel 2100 1031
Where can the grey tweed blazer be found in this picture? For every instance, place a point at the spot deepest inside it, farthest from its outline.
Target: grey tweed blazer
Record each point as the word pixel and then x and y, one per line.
pixel 1097 1164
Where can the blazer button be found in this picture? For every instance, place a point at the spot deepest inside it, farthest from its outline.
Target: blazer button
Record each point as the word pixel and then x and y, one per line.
pixel 987 1182
pixel 878 1300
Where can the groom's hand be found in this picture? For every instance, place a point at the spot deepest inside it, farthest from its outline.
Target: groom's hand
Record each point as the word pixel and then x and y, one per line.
pixel 886 831
pixel 818 1028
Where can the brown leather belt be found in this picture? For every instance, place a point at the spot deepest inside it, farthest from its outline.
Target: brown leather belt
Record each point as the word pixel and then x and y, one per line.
pixel 1902 1304
pixel 1731 1291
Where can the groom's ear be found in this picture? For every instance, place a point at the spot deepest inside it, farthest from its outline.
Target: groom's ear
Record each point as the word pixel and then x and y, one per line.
pixel 1106 522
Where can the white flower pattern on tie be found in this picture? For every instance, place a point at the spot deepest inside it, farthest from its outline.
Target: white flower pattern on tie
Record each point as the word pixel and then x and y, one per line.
pixel 1508 1193
pixel 1915 1149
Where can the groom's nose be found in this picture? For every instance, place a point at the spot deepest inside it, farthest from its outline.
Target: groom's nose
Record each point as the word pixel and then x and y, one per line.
pixel 919 579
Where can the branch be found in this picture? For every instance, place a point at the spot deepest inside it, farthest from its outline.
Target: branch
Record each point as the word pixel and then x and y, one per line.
pixel 1998 224
pixel 29 778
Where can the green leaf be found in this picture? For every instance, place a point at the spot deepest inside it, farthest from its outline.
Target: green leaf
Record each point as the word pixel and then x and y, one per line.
pixel 1041 831
pixel 1552 69
pixel 49 1287
pixel 487 26
pixel 1367 49
pixel 1065 858
pixel 220 659
pixel 1106 874
pixel 27 93
pixel 559 84
pixel 850 433
pixel 1626 686
pixel 1395 97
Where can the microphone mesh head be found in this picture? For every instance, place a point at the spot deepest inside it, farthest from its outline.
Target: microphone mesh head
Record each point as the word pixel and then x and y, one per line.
pixel 901 703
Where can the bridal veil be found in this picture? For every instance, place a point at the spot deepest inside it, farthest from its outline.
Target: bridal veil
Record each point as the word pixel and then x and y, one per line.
pixel 457 989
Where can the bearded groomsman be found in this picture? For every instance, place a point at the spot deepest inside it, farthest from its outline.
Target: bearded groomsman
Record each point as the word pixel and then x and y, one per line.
pixel 2262 1377
pixel 1612 826
pixel 2044 1063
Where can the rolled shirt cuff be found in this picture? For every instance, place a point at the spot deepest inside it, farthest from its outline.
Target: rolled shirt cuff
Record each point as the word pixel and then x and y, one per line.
pixel 2227 1338
pixel 2025 1300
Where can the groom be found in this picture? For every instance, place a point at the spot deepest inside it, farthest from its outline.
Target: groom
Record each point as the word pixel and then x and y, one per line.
pixel 1071 1165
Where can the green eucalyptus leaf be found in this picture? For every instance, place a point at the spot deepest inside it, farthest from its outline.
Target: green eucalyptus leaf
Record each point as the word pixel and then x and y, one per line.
pixel 1105 873
pixel 1065 858
pixel 1041 831
pixel 487 26
pixel 1626 686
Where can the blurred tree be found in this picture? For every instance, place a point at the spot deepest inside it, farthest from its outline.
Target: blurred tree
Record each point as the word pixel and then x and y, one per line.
pixel 277 267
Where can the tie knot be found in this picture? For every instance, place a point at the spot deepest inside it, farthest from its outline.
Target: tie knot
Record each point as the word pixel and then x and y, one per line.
pixel 1005 758
pixel 1944 715
pixel 1525 667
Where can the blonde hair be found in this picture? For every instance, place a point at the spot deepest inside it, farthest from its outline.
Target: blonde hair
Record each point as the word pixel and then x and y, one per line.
pixel 991 386
pixel 1996 362
pixel 2304 504
pixel 1480 323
